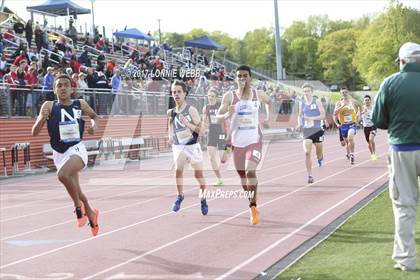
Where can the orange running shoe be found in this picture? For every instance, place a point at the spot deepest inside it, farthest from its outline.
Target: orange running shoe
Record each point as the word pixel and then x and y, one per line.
pixel 255 215
pixel 94 226
pixel 81 215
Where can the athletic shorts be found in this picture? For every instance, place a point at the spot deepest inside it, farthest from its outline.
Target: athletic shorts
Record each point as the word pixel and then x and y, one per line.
pixel 316 135
pixel 61 158
pixel 192 152
pixel 217 140
pixel 252 152
pixel 344 128
pixel 368 131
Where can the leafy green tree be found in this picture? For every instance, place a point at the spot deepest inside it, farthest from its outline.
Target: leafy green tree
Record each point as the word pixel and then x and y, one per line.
pixel 378 45
pixel 335 54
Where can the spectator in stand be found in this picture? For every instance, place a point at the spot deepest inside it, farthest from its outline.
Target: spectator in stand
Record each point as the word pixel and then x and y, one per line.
pixel 38 38
pixel 101 62
pixel 45 40
pixel 91 78
pixel 47 87
pixel 1 43
pixel 12 82
pixel 75 64
pixel 166 46
pixel 105 105
pixel 32 83
pixel 88 40
pixel 69 72
pixel 68 54
pixel 77 94
pixel 116 98
pixel 100 43
pixel 20 95
pixel 46 62
pixel 3 65
pixel 29 32
pixel 84 58
pixel 82 82
pixel 110 65
pixel 61 44
pixel 18 27
pixel 22 56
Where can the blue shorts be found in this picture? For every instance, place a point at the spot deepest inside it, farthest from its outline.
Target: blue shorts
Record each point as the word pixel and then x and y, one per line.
pixel 344 129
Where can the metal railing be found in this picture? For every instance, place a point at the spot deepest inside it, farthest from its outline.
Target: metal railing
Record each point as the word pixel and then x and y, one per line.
pixel 26 102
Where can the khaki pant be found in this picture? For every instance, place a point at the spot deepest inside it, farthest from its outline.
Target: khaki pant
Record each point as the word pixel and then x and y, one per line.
pixel 404 169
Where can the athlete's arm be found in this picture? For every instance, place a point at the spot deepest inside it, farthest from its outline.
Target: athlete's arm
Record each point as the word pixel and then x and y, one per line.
pixel 42 117
pixel 225 110
pixel 168 114
pixel 266 99
pixel 205 119
pixel 299 116
pixel 86 109
pixel 195 116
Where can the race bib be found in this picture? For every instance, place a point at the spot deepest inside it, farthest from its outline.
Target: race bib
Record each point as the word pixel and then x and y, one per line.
pixel 222 137
pixel 183 135
pixel 309 123
pixel 213 119
pixel 69 131
pixel 246 122
pixel 348 118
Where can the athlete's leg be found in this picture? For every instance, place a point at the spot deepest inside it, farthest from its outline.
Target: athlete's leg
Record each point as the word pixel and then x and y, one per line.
pixel 307 149
pixel 73 165
pixel 214 160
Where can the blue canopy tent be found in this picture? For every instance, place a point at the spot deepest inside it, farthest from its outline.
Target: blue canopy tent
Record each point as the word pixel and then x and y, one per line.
pixel 204 42
pixel 59 8
pixel 133 33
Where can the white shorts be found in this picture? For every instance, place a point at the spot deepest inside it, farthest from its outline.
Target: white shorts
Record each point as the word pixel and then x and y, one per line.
pixel 78 150
pixel 192 152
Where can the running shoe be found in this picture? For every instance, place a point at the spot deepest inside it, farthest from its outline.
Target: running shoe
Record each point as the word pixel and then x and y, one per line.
pixel 348 156
pixel 81 215
pixel 351 159
pixel 218 183
pixel 204 207
pixel 94 226
pixel 373 157
pixel 254 215
pixel 319 161
pixel 310 179
pixel 177 203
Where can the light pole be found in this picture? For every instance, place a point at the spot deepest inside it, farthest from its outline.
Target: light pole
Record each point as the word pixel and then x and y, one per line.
pixel 2 6
pixel 93 19
pixel 160 35
pixel 278 43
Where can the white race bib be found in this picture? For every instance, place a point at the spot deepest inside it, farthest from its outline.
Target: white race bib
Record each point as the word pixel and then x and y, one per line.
pixel 246 122
pixel 309 123
pixel 348 118
pixel 69 131
pixel 213 119
pixel 184 136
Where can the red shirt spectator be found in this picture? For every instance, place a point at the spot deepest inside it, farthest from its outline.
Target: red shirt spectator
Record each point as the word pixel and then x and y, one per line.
pixel 20 58
pixel 75 66
pixel 31 78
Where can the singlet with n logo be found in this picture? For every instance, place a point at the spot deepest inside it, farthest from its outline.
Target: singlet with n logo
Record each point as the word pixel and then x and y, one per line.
pixel 65 125
pixel 182 135
pixel 245 121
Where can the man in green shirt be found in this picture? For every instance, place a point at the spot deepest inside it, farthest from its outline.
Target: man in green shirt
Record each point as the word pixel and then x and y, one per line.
pixel 397 109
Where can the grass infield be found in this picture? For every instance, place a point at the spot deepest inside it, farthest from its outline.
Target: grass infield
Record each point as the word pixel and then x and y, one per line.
pixel 360 249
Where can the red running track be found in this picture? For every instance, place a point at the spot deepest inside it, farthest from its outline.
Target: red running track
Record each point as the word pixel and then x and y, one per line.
pixel 141 238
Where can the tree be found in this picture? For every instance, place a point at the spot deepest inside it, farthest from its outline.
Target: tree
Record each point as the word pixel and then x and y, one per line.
pixel 335 54
pixel 258 45
pixel 378 45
